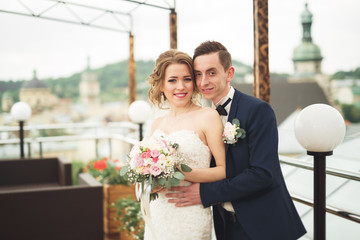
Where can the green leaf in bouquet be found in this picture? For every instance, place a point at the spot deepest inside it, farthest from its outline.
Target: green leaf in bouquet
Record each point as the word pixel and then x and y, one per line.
pixel 153 184
pixel 173 181
pixel 241 133
pixel 161 181
pixel 236 121
pixel 124 170
pixel 185 168
pixel 150 179
pixel 179 175
pixel 126 178
pixel 167 184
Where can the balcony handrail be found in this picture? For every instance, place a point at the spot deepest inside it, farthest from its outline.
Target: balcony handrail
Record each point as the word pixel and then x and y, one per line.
pixel 123 124
pixel 333 210
pixel 329 170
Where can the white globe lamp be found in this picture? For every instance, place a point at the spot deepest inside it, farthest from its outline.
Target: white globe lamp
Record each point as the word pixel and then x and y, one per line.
pixel 21 111
pixel 139 111
pixel 319 128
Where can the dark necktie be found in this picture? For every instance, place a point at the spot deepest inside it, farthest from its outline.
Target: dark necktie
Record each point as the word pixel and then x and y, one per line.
pixel 221 108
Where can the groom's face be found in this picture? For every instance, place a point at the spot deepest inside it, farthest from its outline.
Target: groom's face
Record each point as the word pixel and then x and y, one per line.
pixel 211 77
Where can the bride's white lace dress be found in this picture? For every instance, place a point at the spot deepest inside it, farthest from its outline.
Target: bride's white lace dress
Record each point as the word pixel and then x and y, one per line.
pixel 184 223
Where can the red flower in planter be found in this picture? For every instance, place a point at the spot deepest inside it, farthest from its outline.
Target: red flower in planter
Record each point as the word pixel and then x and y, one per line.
pixel 100 165
pixel 117 164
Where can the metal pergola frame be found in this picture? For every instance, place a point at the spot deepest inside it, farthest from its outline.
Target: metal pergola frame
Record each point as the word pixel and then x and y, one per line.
pixel 261 48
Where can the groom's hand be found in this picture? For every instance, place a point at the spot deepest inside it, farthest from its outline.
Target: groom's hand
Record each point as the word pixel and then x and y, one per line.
pixel 185 195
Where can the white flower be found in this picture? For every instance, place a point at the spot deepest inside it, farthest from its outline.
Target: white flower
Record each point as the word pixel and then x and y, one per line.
pixel 232 132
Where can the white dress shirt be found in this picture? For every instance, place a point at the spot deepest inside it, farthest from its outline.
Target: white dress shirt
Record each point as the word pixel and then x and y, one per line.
pixel 227 205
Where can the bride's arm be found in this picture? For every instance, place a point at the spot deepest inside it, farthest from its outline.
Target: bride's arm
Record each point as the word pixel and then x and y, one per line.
pixel 212 128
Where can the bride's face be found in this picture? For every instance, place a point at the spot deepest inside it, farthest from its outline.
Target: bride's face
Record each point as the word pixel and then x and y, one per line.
pixel 178 85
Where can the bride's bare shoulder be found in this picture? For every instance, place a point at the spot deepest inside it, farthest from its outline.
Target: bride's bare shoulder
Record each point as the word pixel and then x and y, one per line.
pixel 208 112
pixel 156 123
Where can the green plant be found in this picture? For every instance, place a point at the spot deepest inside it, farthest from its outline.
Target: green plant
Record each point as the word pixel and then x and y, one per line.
pixel 106 171
pixel 351 112
pixel 76 169
pixel 128 211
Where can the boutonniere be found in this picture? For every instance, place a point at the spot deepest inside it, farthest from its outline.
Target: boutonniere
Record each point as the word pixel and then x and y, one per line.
pixel 232 132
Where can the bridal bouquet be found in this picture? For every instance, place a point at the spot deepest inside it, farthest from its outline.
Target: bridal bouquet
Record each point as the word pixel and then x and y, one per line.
pixel 154 162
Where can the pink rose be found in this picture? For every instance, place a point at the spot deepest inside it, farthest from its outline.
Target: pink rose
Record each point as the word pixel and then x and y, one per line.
pixel 138 161
pixel 155 170
pixel 155 153
pixel 146 154
pixel 227 132
pixel 146 170
pixel 155 159
pixel 164 142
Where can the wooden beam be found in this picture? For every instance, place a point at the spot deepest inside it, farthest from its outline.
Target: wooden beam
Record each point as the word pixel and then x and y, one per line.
pixel 261 51
pixel 131 70
pixel 173 29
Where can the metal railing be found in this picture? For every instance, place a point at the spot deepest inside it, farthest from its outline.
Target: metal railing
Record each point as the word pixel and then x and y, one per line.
pixel 127 137
pixel 132 139
pixel 329 171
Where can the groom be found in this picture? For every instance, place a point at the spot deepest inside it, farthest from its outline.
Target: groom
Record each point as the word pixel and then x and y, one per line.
pixel 253 201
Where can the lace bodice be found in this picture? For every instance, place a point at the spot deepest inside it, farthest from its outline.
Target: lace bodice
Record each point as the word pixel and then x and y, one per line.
pixel 175 223
pixel 196 153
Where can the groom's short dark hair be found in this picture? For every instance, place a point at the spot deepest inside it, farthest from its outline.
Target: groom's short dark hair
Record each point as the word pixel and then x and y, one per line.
pixel 214 47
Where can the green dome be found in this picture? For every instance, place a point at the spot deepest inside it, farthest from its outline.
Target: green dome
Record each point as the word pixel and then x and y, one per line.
pixel 306 15
pixel 307 51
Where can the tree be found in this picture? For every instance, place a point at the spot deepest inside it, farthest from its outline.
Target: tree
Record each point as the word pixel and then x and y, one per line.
pixel 351 112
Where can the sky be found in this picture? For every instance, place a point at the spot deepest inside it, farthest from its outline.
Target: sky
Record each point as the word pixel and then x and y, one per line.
pixel 56 49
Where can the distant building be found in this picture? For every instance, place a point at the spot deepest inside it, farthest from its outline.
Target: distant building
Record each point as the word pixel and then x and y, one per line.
pixel 346 91
pixel 345 95
pixel 6 102
pixel 287 97
pixel 89 87
pixel 307 59
pixel 37 94
pixel 307 56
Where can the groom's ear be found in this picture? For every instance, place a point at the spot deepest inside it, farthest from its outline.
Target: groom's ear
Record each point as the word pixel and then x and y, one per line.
pixel 230 74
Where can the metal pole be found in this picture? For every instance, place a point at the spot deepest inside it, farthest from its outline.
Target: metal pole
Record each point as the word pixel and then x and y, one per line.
pixel 140 131
pixel 21 124
pixel 40 150
pixel 110 148
pixel 319 193
pixel 29 149
pixel 131 70
pixel 173 29
pixel 96 148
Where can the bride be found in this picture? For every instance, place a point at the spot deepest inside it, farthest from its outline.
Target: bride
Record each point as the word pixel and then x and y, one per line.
pixel 198 132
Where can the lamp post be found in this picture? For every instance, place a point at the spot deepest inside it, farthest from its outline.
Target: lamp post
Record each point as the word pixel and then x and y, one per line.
pixel 21 111
pixel 319 128
pixel 139 112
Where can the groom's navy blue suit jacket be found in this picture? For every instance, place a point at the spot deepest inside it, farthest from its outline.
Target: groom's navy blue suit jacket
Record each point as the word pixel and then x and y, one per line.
pixel 254 182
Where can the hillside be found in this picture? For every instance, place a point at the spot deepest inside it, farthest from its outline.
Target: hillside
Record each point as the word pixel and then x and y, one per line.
pixel 113 80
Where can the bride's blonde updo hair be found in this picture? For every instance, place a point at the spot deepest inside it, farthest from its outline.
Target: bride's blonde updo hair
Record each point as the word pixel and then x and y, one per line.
pixel 156 78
